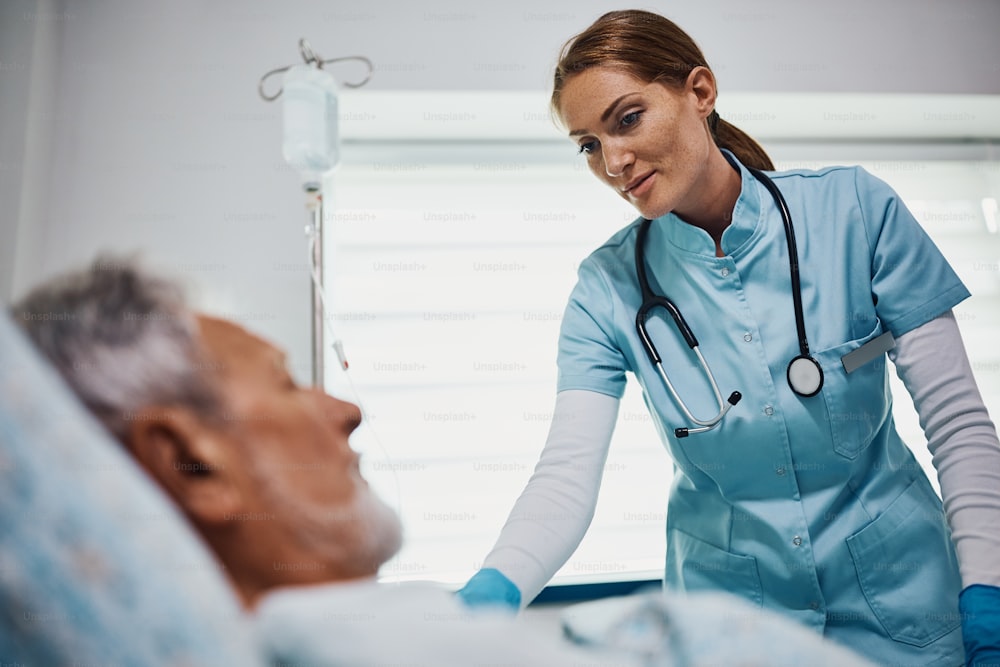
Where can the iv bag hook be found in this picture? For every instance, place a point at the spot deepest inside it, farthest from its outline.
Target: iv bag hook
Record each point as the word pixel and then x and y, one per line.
pixel 310 57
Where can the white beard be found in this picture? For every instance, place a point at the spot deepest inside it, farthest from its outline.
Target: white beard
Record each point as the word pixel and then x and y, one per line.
pixel 356 538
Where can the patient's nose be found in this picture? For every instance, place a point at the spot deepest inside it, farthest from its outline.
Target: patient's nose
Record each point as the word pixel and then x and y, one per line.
pixel 344 414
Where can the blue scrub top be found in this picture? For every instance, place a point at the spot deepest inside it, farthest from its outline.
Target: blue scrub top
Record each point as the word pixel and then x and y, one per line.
pixel 813 507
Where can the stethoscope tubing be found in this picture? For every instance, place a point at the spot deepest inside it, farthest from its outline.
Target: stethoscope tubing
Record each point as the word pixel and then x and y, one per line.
pixel 793 258
pixel 803 387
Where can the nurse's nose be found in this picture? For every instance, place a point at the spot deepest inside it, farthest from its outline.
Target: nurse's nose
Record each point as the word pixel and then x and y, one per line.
pixel 617 158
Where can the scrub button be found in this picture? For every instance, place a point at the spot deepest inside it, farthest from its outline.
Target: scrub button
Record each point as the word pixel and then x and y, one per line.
pixel 748 337
pixel 814 605
pixel 780 472
pixel 797 541
pixel 725 271
pixel 768 410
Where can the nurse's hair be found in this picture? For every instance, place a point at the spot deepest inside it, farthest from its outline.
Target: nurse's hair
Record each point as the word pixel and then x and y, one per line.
pixel 651 48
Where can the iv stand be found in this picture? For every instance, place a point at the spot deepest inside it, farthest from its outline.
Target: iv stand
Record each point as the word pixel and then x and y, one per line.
pixel 314 204
pixel 315 229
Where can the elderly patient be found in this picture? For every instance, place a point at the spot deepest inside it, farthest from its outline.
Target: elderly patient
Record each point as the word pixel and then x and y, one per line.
pixel 263 469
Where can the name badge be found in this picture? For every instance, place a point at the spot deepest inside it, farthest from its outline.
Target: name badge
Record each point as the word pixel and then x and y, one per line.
pixel 870 351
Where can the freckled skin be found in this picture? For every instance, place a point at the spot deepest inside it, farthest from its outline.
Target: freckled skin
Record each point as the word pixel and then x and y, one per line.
pixel 653 130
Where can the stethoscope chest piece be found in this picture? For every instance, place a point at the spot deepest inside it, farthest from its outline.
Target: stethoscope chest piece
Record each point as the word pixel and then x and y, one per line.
pixel 805 376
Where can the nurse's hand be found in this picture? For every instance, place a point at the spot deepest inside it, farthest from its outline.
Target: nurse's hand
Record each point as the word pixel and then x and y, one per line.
pixel 980 610
pixel 489 588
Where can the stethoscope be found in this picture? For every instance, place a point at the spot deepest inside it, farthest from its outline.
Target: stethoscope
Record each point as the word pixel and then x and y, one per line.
pixel 804 374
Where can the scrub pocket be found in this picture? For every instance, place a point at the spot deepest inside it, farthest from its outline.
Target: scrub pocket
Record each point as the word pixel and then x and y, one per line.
pixel 908 569
pixel 694 565
pixel 857 403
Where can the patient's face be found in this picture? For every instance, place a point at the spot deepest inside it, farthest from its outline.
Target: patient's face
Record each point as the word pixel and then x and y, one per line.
pixel 294 464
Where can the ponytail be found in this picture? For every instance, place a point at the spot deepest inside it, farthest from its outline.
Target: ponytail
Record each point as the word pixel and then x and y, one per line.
pixel 739 143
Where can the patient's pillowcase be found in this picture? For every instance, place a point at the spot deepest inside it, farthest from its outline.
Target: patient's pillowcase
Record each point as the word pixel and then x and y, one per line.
pixel 96 566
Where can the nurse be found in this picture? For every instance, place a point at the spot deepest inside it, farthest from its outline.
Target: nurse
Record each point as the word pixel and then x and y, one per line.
pixel 801 498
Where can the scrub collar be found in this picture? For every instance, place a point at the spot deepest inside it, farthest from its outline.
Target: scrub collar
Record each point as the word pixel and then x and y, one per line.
pixel 745 221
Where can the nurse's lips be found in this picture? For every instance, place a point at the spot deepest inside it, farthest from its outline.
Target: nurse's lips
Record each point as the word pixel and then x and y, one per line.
pixel 637 187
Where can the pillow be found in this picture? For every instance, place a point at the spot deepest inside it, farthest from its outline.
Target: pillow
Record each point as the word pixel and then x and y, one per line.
pixel 96 564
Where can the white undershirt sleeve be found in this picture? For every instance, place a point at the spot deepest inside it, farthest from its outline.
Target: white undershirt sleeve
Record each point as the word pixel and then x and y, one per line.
pixel 556 507
pixel 933 365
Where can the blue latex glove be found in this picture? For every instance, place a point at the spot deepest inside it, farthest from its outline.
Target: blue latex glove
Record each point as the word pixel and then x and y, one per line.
pixel 980 610
pixel 489 588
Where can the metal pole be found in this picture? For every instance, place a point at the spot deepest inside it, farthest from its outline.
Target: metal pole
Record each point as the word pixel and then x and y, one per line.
pixel 315 206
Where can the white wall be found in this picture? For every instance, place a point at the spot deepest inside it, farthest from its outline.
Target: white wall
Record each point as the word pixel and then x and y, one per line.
pixel 137 125
pixel 15 78
pixel 29 33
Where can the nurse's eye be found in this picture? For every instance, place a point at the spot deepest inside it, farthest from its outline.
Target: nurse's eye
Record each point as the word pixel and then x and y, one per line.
pixel 630 119
pixel 588 147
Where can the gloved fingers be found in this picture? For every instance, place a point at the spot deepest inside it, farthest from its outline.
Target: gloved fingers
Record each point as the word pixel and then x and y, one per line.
pixel 490 588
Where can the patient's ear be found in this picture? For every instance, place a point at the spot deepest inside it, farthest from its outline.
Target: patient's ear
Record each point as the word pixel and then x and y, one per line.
pixel 188 459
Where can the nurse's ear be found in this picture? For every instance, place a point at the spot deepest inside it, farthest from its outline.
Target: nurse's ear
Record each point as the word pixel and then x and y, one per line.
pixel 700 84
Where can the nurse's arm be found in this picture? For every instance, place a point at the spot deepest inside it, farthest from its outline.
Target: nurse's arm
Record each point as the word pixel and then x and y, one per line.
pixel 933 365
pixel 551 516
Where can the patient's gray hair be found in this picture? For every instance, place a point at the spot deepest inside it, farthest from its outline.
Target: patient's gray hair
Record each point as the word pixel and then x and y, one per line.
pixel 122 338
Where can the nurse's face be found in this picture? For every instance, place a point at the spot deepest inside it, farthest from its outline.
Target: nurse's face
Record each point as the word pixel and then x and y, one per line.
pixel 649 142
